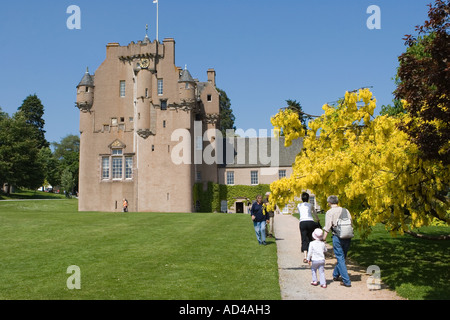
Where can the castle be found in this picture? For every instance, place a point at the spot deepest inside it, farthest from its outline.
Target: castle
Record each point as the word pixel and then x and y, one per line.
pixel 129 112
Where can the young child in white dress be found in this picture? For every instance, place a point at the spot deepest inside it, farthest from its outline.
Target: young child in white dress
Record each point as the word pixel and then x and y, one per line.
pixel 316 258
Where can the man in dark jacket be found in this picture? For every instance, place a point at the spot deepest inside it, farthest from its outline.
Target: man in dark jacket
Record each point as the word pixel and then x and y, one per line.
pixel 259 218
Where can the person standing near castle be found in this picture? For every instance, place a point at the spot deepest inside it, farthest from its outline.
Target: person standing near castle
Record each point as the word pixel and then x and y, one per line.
pixel 307 224
pixel 340 246
pixel 259 218
pixel 316 258
pixel 271 215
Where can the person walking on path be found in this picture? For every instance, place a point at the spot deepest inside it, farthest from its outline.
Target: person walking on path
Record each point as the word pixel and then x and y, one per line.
pixel 271 214
pixel 259 218
pixel 340 246
pixel 307 224
pixel 316 258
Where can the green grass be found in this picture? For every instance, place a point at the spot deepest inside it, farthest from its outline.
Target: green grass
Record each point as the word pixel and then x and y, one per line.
pixel 131 256
pixel 415 268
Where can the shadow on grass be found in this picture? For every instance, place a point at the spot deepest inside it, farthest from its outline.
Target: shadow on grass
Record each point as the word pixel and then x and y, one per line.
pixel 30 195
pixel 408 264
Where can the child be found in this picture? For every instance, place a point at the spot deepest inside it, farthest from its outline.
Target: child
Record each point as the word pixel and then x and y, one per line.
pixel 316 258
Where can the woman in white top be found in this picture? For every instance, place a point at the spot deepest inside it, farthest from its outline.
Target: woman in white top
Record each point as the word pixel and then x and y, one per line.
pixel 307 224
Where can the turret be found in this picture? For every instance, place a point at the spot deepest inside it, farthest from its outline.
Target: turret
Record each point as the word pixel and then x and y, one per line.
pixel 186 86
pixel 144 89
pixel 85 92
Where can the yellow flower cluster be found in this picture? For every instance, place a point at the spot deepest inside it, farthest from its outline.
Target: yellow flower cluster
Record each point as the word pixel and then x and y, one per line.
pixel 368 162
pixel 289 121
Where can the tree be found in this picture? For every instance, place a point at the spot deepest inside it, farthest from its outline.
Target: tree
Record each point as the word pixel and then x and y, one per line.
pixel 67 181
pixel 297 108
pixel 368 162
pixel 67 153
pixel 227 117
pixel 19 160
pixel 424 78
pixel 393 111
pixel 50 166
pixel 33 111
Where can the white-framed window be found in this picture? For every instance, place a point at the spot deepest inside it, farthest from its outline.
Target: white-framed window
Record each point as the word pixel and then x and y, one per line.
pixel 128 167
pixel 281 174
pixel 117 166
pixel 230 177
pixel 117 169
pixel 199 143
pixel 122 88
pixel 105 168
pixel 117 152
pixel 254 177
pixel 160 87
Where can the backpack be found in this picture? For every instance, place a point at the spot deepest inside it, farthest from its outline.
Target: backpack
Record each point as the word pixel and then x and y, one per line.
pixel 344 229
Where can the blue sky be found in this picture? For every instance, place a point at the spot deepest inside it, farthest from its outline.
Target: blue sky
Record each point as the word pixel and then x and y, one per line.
pixel 264 51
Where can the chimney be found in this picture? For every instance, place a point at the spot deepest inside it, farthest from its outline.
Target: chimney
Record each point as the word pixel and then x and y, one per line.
pixel 212 76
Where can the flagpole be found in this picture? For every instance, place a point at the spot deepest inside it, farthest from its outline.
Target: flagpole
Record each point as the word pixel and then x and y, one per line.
pixel 157 19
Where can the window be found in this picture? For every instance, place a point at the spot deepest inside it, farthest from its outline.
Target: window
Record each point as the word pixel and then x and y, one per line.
pixel 209 98
pixel 198 176
pixel 160 87
pixel 146 92
pixel 114 121
pixel 106 128
pixel 117 152
pixel 164 123
pixel 281 174
pixel 122 88
pixel 254 177
pixel 105 168
pixel 199 143
pixel 117 167
pixel 128 167
pixel 163 104
pixel 230 177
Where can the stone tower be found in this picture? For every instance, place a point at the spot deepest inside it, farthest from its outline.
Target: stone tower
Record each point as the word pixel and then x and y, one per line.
pixel 126 143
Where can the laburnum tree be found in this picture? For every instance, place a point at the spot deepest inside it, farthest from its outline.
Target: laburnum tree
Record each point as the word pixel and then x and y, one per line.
pixel 368 162
pixel 424 82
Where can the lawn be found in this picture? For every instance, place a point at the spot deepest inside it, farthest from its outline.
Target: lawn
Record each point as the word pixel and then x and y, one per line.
pixel 145 256
pixel 415 268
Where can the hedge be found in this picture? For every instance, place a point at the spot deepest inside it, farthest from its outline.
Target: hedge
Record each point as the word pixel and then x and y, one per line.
pixel 209 199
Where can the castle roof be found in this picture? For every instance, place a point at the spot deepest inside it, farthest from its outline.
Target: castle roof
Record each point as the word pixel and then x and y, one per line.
pixel 87 80
pixel 186 76
pixel 263 146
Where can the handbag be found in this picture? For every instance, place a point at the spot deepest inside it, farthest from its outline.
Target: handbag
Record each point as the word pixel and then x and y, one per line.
pixel 344 228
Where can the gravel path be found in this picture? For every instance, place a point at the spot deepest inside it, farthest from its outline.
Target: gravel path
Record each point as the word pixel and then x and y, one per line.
pixel 295 276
